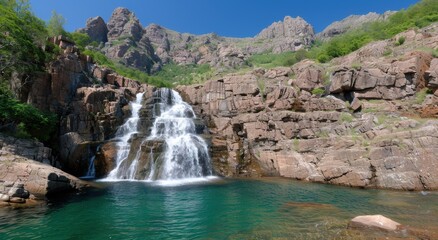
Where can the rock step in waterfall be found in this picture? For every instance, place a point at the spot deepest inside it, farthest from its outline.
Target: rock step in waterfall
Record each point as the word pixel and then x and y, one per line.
pixel 169 149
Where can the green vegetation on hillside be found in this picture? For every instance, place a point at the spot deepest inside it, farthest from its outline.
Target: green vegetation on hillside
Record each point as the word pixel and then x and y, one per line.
pixel 128 72
pixel 185 74
pixel 270 60
pixel 417 16
pixel 26 120
pixel 22 37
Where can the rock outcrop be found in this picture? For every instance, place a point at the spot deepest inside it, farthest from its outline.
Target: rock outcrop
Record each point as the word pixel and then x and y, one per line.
pixel 97 30
pixel 127 43
pixel 26 174
pixel 291 34
pixel 351 22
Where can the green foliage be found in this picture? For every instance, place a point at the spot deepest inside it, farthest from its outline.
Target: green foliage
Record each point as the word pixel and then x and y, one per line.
pixel 29 121
pixel 185 74
pixel 21 37
pixel 262 87
pixel 82 40
pixel 356 65
pixel 55 26
pixel 270 60
pixel 421 95
pixel 126 71
pixel 318 91
pixel 419 15
pixel 400 41
pixel 346 117
pixel 435 53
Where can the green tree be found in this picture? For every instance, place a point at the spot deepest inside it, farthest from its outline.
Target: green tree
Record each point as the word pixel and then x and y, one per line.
pixel 19 50
pixel 55 25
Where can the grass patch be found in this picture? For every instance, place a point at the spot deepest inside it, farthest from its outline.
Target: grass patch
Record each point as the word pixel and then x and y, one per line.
pixel 346 117
pixel 318 91
pixel 271 60
pixel 262 87
pixel 421 95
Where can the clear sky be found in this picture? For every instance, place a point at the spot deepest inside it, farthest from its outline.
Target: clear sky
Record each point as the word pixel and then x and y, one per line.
pixel 231 18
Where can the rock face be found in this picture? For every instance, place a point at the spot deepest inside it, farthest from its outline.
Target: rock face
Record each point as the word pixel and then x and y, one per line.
pixel 97 30
pixel 269 122
pixel 291 34
pixel 377 222
pixel 351 22
pixel 127 42
pixel 91 103
pixel 26 173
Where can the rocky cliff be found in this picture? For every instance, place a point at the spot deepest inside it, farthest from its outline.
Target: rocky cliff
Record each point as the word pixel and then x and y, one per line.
pixel 363 129
pixel 126 41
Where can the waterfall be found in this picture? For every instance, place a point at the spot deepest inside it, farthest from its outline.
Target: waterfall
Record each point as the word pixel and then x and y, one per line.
pixel 166 148
pixel 91 169
pixel 186 153
pixel 123 135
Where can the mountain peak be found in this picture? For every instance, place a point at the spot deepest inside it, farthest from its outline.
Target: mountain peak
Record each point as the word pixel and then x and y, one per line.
pixel 124 23
pixel 288 28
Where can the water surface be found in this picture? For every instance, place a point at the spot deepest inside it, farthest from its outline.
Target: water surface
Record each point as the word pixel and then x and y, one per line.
pixel 218 209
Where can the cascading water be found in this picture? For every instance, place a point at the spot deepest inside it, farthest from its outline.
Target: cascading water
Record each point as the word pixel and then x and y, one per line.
pixel 123 135
pixel 186 154
pixel 172 150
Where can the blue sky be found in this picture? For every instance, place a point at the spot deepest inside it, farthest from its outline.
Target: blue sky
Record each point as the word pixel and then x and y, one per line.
pixel 232 18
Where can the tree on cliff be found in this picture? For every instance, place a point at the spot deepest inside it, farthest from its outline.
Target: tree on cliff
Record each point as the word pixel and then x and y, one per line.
pixel 22 36
pixel 55 25
pixel 21 39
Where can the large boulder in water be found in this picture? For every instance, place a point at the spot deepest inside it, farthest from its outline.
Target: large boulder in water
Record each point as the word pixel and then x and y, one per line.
pixel 23 180
pixel 377 222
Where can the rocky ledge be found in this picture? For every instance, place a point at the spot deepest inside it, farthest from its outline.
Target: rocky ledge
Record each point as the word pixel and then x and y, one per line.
pixel 26 178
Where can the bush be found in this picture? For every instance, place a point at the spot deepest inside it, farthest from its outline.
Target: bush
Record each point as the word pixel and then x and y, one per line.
pixel 318 91
pixel 400 41
pixel 29 121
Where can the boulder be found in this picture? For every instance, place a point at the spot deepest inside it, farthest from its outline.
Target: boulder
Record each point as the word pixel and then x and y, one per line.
pixel 22 178
pixel 375 222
